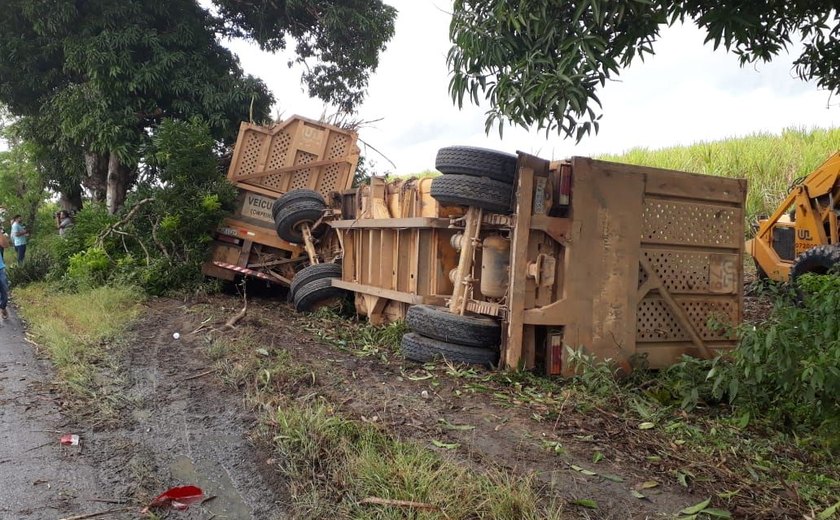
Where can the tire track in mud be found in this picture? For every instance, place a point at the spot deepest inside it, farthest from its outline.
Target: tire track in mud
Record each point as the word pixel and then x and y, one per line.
pixel 179 431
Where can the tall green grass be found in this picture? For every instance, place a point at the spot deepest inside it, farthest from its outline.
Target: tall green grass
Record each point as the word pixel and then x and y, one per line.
pixel 73 328
pixel 769 162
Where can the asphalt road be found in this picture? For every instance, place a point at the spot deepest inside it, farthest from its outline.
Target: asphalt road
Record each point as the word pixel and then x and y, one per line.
pixel 39 478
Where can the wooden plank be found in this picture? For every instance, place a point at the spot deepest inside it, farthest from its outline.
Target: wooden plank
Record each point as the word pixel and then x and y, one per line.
pixel 472 226
pixel 527 166
pixel 392 223
pixel 370 290
pixel 387 274
pixel 244 253
pixel 259 189
pixel 210 269
pixel 290 169
pixel 670 183
pixel 413 244
pixel 258 234
pixel 667 354
pixel 237 158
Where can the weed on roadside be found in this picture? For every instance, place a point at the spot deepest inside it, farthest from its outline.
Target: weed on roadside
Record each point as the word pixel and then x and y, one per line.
pixel 337 466
pixel 360 338
pixel 77 332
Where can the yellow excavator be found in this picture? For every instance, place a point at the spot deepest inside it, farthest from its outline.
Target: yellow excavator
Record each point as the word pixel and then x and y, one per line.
pixel 801 236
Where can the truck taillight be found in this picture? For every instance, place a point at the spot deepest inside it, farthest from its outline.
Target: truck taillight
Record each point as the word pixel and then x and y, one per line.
pixel 564 188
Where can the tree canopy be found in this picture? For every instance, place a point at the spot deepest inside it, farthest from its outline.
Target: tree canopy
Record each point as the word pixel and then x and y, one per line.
pixel 100 75
pixel 542 62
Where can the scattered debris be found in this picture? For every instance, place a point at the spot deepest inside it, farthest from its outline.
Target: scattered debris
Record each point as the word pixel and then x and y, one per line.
pixel 179 498
pixel 586 502
pixel 196 376
pixel 70 439
pixel 100 513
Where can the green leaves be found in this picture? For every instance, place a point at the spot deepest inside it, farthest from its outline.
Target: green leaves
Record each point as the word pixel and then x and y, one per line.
pixel 540 62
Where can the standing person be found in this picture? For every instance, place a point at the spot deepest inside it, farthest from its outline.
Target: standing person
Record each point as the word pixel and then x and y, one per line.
pixel 64 222
pixel 4 239
pixel 19 234
pixel 4 282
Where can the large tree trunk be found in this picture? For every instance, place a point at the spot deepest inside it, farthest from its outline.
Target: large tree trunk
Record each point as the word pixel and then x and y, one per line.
pixel 96 181
pixel 120 179
pixel 70 199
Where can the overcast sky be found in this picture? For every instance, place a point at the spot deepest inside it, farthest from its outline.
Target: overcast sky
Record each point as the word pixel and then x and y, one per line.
pixel 684 94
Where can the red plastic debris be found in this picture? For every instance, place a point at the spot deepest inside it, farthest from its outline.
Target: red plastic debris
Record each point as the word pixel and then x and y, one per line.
pixel 179 498
pixel 69 439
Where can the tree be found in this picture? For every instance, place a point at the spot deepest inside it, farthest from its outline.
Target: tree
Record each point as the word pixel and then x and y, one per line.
pixel 541 62
pixel 338 40
pixel 104 73
pixel 22 187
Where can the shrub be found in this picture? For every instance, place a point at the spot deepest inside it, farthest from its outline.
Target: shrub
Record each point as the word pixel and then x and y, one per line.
pixel 35 269
pixel 786 371
pixel 160 238
pixel 89 268
pixel 789 368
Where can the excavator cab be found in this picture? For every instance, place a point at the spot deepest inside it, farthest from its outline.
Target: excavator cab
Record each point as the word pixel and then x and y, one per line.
pixel 801 236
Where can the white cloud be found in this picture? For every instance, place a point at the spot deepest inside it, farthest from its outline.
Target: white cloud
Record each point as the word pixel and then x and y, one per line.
pixel 685 93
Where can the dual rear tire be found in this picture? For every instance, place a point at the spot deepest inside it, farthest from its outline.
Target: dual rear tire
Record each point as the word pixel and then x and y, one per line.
pixel 311 288
pixel 437 333
pixel 294 209
pixel 475 177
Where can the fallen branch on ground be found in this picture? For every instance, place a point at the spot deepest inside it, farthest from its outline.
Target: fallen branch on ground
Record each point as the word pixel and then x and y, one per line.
pixel 231 323
pixel 100 513
pixel 197 375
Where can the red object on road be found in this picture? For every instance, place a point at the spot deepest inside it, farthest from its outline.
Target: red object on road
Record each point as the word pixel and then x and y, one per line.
pixel 69 439
pixel 179 498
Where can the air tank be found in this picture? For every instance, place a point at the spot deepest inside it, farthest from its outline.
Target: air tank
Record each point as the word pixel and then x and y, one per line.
pixel 495 266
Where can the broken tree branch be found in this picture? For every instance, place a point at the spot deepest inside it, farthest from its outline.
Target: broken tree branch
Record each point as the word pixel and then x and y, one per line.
pixel 156 240
pixel 123 221
pixel 231 323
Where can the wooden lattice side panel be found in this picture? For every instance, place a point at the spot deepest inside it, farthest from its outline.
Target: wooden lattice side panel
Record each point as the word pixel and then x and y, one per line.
pixel 294 154
pixel 690 270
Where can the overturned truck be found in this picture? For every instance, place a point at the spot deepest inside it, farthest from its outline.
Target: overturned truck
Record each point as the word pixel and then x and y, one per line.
pixel 290 176
pixel 505 260
pixel 508 259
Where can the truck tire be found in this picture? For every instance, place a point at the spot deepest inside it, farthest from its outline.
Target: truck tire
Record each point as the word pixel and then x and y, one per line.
pixel 422 349
pixel 296 213
pixel 317 294
pixel 291 196
pixel 817 260
pixel 438 323
pixel 478 162
pixel 311 273
pixel 478 192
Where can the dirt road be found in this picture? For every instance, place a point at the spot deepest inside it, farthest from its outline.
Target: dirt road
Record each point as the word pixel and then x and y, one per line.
pixel 173 422
pixel 168 430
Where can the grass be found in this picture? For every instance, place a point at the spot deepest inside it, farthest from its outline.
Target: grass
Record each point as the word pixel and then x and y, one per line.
pixel 74 329
pixel 333 462
pixel 769 162
pixel 747 465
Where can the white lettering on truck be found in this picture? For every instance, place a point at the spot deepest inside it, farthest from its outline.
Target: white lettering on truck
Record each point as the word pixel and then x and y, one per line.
pixel 258 207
